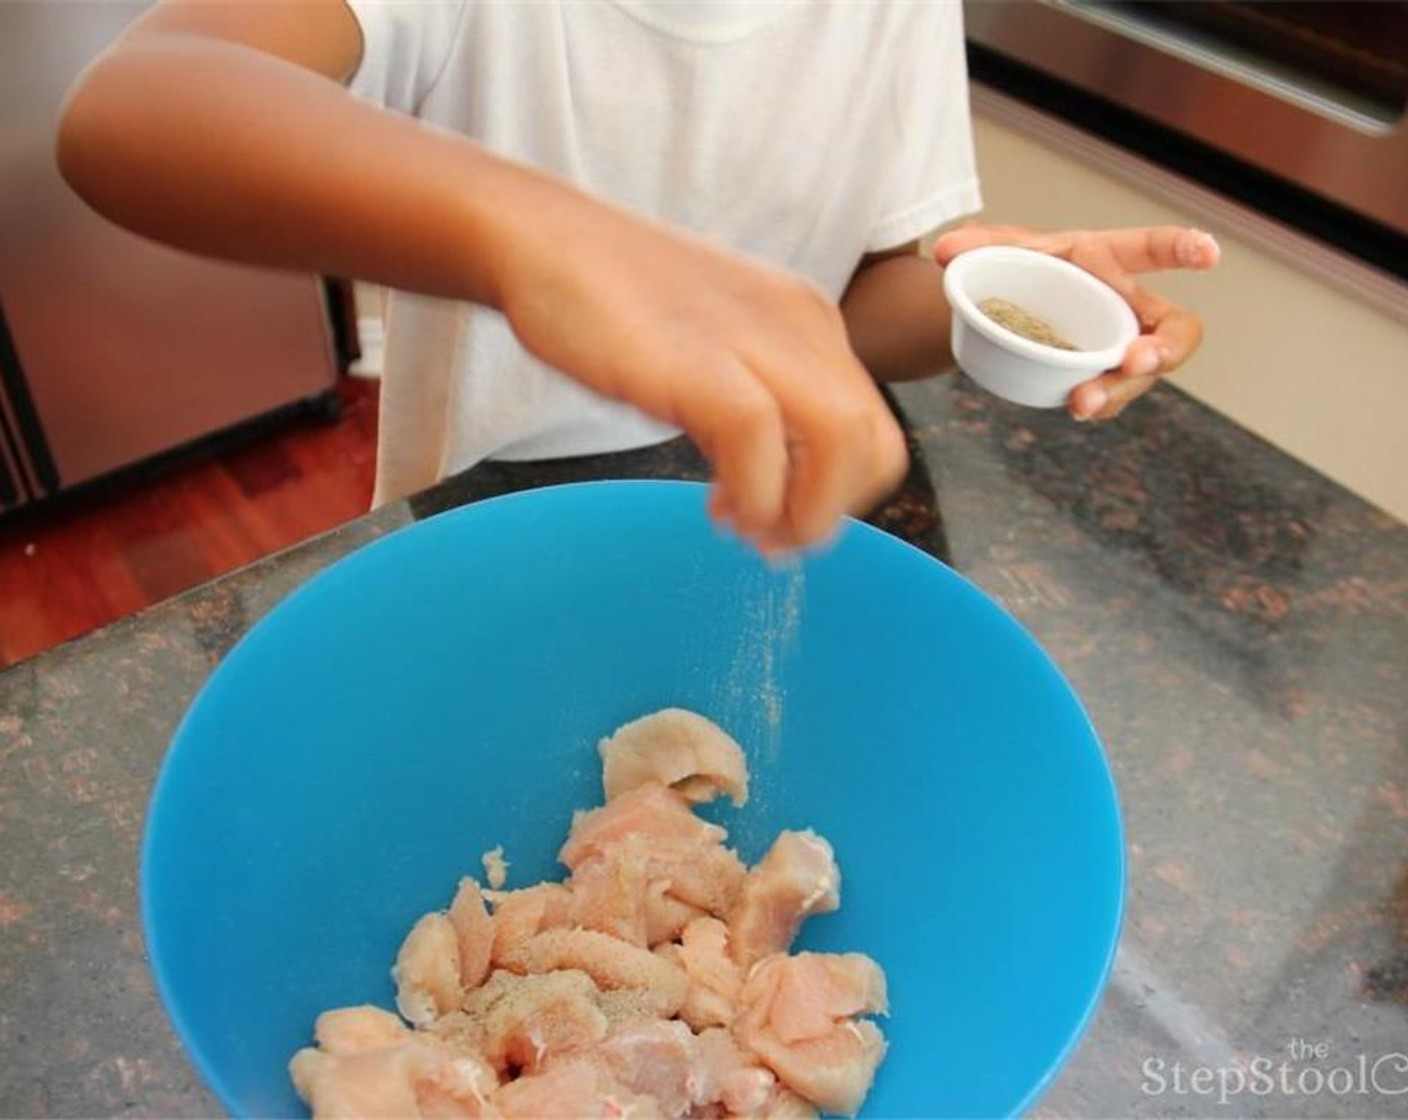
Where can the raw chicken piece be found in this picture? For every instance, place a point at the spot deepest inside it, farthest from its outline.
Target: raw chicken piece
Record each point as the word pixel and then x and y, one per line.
pixel 627 1005
pixel 656 1059
pixel 575 1090
pixel 350 1030
pixel 415 1078
pixel 651 811
pixel 834 1072
pixel 461 1090
pixel 727 1076
pixel 787 1105
pixel 794 1014
pixel 526 1020
pixel 796 879
pixel 463 1035
pixel 427 971
pixel 665 916
pixel 675 748
pixel 714 976
pixel 610 891
pixel 609 961
pixel 803 996
pixel 645 894
pixel 518 915
pixel 683 850
pixel 474 933
pixel 706 876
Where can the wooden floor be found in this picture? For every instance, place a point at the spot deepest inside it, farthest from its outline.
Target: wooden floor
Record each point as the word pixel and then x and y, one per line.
pixel 66 570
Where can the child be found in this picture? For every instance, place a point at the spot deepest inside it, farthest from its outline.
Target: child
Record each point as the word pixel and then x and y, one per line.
pixel 705 215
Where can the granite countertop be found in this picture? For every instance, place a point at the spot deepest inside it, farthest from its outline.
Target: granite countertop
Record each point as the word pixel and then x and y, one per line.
pixel 1236 624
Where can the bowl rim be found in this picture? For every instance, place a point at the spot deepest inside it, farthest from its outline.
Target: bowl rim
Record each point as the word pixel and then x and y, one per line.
pixel 955 275
pixel 147 857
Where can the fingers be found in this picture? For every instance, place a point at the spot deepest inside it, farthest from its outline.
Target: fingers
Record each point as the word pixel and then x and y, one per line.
pixel 844 460
pixel 1109 395
pixel 738 426
pixel 1127 251
pixel 789 468
pixel 1174 333
pixel 1150 248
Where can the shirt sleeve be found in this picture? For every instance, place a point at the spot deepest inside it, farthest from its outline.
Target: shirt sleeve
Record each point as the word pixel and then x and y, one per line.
pixel 931 177
pixel 405 46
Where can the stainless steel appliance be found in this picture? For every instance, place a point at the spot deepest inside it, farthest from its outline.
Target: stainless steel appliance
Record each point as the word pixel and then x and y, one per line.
pixel 1311 94
pixel 114 349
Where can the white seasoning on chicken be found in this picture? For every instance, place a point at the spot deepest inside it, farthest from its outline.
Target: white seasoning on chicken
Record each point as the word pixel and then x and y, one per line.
pixel 609 961
pixel 655 982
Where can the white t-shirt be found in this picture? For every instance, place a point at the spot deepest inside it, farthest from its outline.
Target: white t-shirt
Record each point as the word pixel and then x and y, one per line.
pixel 805 133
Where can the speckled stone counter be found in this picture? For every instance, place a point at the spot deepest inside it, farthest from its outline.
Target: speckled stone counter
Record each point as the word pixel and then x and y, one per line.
pixel 1237 626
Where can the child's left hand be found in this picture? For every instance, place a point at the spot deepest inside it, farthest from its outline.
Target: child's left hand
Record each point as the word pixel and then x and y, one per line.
pixel 1169 333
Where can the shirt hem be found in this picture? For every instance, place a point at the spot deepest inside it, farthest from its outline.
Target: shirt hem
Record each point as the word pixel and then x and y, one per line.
pixel 570 447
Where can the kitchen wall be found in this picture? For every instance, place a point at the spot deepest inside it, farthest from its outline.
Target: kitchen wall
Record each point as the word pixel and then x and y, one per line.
pixel 1304 346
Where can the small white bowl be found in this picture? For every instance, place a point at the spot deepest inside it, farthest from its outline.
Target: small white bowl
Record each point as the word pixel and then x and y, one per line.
pixel 1085 310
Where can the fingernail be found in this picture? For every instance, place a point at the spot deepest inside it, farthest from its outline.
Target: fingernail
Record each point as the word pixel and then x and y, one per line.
pixel 1095 400
pixel 1148 363
pixel 1211 251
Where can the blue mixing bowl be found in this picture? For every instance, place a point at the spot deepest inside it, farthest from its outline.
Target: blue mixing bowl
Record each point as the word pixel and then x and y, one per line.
pixel 442 691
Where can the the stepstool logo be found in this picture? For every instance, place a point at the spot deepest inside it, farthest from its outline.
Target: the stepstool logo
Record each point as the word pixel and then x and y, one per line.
pixel 1309 1068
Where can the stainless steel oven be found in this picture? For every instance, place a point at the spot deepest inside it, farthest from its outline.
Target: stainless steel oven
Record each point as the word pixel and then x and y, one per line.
pixel 1312 94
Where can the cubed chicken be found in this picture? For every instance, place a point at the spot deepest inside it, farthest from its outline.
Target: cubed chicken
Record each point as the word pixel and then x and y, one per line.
pixel 796 879
pixel 427 971
pixel 528 1020
pixel 651 810
pixel 578 1089
pixel 795 1015
pixel 612 963
pixel 714 976
pixel 413 1079
pixel 675 748
pixel 350 1030
pixel 518 915
pixel 645 892
pixel 730 1077
pixel 665 915
pixel 610 891
pixel 708 877
pixel 474 933
pixel 657 1059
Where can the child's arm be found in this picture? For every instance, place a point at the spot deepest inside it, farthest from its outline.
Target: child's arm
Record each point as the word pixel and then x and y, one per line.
pixel 897 316
pixel 899 321
pixel 222 128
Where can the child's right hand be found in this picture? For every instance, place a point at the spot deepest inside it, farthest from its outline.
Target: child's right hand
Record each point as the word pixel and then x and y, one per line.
pixel 753 363
pixel 215 127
